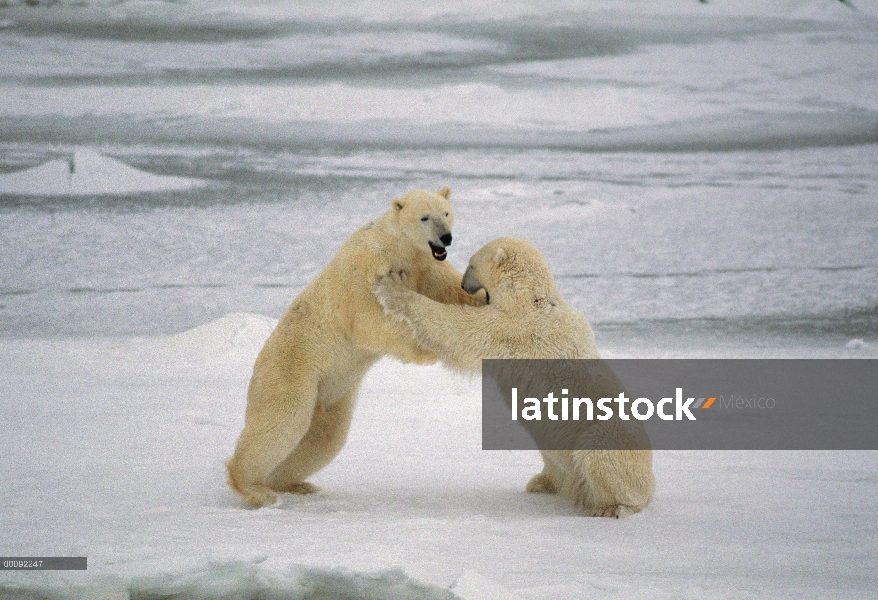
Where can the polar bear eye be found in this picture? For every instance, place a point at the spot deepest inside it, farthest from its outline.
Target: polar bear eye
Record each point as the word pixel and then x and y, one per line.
pixel 425 219
pixel 446 214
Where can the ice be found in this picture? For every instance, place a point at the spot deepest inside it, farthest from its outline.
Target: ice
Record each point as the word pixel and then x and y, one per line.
pixel 793 74
pixel 239 581
pixel 89 173
pixel 857 344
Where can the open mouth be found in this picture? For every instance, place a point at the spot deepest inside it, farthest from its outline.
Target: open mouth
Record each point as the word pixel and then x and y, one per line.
pixel 439 252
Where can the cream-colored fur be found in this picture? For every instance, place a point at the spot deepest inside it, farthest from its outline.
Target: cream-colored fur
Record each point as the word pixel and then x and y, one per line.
pixel 526 317
pixel 306 377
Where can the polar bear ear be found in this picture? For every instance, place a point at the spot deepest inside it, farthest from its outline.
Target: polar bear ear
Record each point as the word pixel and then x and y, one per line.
pixel 501 256
pixel 445 192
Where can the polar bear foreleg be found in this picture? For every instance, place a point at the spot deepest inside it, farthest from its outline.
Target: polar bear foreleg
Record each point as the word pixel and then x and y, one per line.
pixel 541 483
pixel 443 284
pixel 610 483
pixel 456 333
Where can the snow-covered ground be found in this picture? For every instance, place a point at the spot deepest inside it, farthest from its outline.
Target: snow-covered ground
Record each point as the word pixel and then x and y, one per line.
pixel 702 178
pixel 114 450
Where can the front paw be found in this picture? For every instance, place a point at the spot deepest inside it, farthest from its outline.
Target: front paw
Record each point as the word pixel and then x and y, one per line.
pixel 390 293
pixel 613 511
pixel 541 484
pixel 400 277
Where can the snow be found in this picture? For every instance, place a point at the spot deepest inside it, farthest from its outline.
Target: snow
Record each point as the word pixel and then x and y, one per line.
pixel 88 173
pixel 857 343
pixel 114 449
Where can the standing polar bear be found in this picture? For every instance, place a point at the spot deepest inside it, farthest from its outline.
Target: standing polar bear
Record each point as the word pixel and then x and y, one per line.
pixel 526 318
pixel 306 378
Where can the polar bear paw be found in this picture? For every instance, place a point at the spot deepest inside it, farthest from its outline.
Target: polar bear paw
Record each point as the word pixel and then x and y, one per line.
pixel 618 511
pixel 257 495
pixel 541 484
pixel 391 290
pixel 301 489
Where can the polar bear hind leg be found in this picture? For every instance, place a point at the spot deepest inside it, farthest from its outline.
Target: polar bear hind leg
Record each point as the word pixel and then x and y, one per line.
pixel 274 426
pixel 325 438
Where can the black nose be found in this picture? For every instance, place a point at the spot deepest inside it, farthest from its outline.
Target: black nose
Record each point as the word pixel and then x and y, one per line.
pixel 446 239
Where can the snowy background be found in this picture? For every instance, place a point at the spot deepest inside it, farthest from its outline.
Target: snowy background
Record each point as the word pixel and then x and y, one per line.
pixel 702 178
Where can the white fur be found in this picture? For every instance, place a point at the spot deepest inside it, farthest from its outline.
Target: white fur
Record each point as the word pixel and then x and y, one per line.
pixel 526 317
pixel 306 377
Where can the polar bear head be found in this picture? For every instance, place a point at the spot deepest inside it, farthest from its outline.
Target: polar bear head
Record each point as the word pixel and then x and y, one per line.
pixel 425 218
pixel 512 272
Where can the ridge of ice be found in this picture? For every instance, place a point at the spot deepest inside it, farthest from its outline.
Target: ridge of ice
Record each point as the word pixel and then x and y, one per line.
pixel 89 173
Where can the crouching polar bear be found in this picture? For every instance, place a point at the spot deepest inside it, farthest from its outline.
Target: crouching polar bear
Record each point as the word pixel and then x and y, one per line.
pixel 526 318
pixel 306 378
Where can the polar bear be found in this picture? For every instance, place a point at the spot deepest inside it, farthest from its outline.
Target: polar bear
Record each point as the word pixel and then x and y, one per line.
pixel 526 317
pixel 306 377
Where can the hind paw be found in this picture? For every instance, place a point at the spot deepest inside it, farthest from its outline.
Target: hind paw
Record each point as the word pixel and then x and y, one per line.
pixel 302 488
pixel 257 495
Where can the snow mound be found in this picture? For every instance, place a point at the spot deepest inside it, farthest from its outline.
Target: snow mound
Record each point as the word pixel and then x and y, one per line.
pixel 236 581
pixel 858 344
pixel 89 173
pixel 232 332
pixel 230 342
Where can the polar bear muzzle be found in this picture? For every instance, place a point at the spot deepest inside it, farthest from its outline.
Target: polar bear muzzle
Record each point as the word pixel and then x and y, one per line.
pixel 438 250
pixel 471 283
